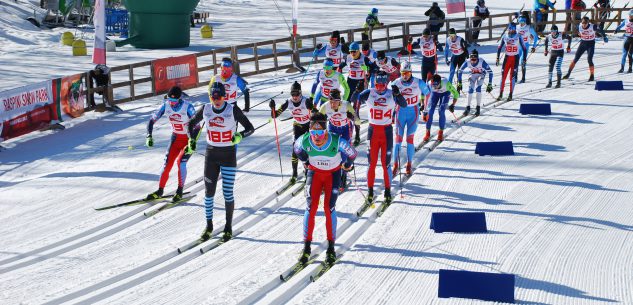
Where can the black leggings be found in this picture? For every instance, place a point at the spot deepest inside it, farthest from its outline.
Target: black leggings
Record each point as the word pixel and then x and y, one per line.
pixel 298 130
pixel 588 46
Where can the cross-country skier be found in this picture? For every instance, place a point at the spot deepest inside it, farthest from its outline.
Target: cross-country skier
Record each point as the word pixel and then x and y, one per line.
pixel 335 50
pixel 341 117
pixel 455 52
pixel 327 80
pixel 300 108
pixel 441 91
pixel 179 113
pixel 512 44
pixel 587 33
pixel 360 67
pixel 528 33
pixel 221 120
pixel 381 103
pixel 412 89
pixel 557 53
pixel 478 70
pixel 369 52
pixel 388 64
pixel 323 154
pixel 627 49
pixel 232 82
pixel 428 49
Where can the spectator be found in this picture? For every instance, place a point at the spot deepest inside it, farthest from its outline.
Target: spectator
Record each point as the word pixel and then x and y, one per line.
pixel 482 12
pixel 371 22
pixel 603 6
pixel 101 77
pixel 436 22
pixel 577 6
pixel 541 12
pixel 568 18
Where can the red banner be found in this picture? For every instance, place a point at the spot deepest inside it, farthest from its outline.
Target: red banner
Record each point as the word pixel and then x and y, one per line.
pixel 26 109
pixel 72 95
pixel 455 6
pixel 179 71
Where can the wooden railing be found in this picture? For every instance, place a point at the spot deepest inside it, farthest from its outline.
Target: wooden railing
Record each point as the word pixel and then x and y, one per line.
pixel 277 54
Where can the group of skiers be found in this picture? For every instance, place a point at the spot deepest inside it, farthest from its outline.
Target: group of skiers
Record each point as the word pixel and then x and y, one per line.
pixel 327 119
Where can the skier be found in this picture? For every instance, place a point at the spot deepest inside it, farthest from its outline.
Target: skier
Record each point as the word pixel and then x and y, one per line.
pixel 341 116
pixel 556 57
pixel 380 104
pixel 627 49
pixel 389 65
pixel 179 113
pixel 455 52
pixel 441 89
pixel 335 50
pixel 513 44
pixel 587 33
pixel 359 68
pixel 323 154
pixel 327 80
pixel 428 49
pixel 369 52
pixel 527 32
pixel 220 157
pixel 231 82
pixel 478 70
pixel 300 108
pixel 411 88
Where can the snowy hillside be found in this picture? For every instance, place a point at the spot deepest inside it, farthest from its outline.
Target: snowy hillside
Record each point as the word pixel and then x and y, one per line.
pixel 559 211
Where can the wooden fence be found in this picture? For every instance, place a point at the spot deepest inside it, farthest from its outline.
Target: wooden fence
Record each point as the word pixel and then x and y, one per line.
pixel 277 54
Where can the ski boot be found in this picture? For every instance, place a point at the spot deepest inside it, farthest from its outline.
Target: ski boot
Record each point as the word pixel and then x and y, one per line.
pixel 293 179
pixel 408 170
pixel 621 69
pixel 356 140
pixel 500 98
pixel 206 234
pixel 178 196
pixel 440 135
pixel 591 78
pixel 427 136
pixel 305 256
pixel 155 195
pixel 549 84
pixel 509 97
pixel 477 111
pixel 566 75
pixel 522 80
pixel 630 69
pixel 396 168
pixel 227 234
pixel 370 195
pixel 388 198
pixel 330 254
pixel 557 84
pixel 467 111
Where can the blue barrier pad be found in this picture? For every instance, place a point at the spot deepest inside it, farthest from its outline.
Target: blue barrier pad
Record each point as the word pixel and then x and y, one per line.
pixel 609 85
pixel 485 286
pixel 504 148
pixel 459 222
pixel 535 109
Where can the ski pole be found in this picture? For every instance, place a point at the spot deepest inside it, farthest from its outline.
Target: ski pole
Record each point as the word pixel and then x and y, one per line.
pixel 308 69
pixel 266 100
pixel 264 124
pixel 400 172
pixel 356 185
pixel 278 148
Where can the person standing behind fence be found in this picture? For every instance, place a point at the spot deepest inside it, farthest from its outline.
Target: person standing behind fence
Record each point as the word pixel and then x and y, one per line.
pixel 371 22
pixel 541 12
pixel 604 6
pixel 232 82
pixel 483 13
pixel 101 77
pixel 577 6
pixel 436 22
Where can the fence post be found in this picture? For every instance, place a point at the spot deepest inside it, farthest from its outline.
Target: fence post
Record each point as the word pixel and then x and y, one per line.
pixel 236 63
pixel 130 72
pixel 275 61
pixel 256 57
pixel 405 34
pixel 215 60
pixel 388 38
pixel 350 35
pixel 489 28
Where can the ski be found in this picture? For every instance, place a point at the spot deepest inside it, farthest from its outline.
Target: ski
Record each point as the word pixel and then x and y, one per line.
pixel 296 268
pixel 298 190
pixel 167 206
pixel 424 142
pixel 323 268
pixel 434 145
pixel 383 208
pixel 218 242
pixel 136 202
pixel 285 187
pixel 366 205
pixel 191 245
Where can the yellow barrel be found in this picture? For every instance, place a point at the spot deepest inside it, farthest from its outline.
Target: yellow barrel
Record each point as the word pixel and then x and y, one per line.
pixel 206 31
pixel 79 48
pixel 68 38
pixel 299 42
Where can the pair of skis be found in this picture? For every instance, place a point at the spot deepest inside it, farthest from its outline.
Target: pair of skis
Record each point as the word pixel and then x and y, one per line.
pixel 143 201
pixel 217 241
pixel 323 267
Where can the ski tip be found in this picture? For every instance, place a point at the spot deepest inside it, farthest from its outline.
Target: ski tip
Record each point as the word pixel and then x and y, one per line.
pixel 179 251
pixel 201 250
pixel 281 277
pixel 312 279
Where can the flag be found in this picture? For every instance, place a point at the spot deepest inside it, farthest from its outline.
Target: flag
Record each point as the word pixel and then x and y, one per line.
pixel 99 52
pixel 455 6
pixel 295 16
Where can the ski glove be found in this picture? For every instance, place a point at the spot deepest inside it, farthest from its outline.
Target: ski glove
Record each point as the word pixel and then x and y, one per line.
pixel 497 62
pixel 459 86
pixel 533 50
pixel 309 103
pixel 395 90
pixel 451 108
pixel 149 142
pixel 606 39
pixel 489 88
pixel 271 104
pixel 237 138
pixel 192 146
pixel 546 52
pixel 568 50
pixel 348 168
pixel 425 117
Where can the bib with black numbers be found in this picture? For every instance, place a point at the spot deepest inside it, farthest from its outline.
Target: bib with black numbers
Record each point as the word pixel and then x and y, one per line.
pixel 380 107
pixel 323 158
pixel 220 126
pixel 179 120
pixel 411 92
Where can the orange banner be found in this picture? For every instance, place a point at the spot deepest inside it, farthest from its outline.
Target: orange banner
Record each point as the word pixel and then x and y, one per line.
pixel 179 71
pixel 72 95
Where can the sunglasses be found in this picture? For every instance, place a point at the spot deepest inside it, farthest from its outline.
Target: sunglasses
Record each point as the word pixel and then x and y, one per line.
pixel 173 99
pixel 405 73
pixel 317 132
pixel 216 97
pixel 295 93
pixel 328 68
pixel 353 51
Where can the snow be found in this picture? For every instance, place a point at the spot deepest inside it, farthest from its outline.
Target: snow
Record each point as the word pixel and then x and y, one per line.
pixel 559 210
